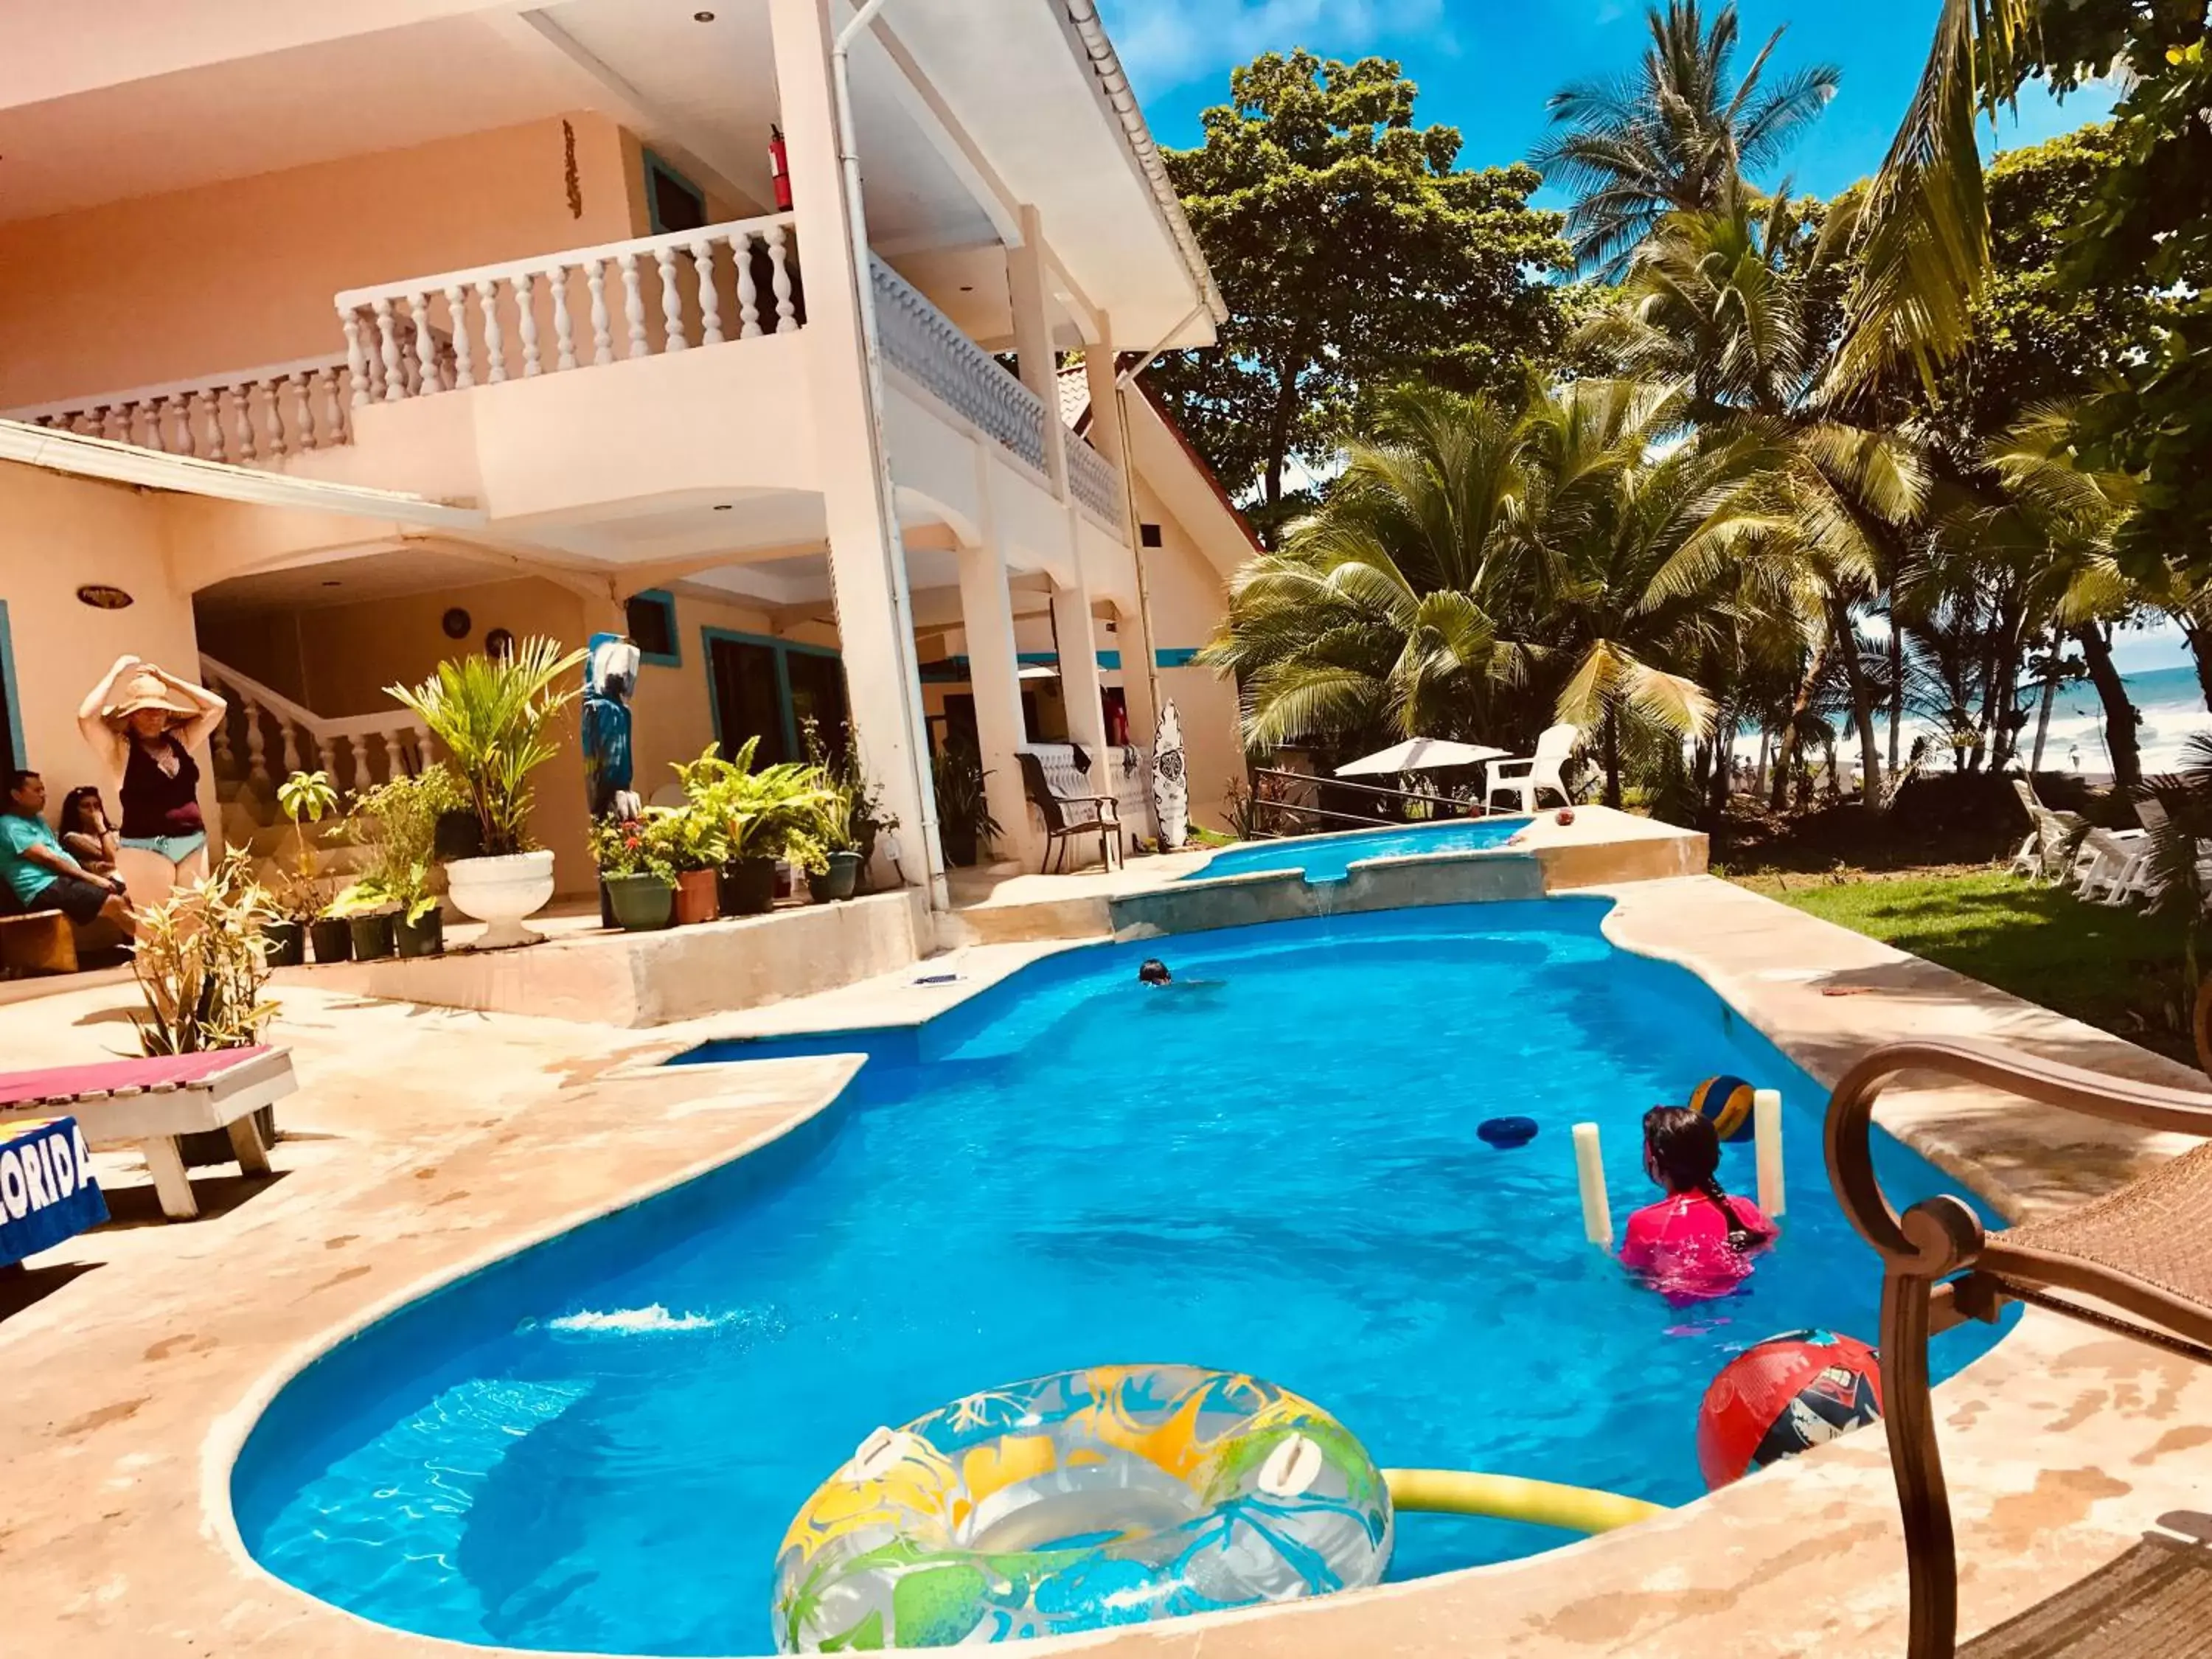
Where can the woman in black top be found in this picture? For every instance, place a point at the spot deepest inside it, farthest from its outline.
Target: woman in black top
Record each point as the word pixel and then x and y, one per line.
pixel 144 724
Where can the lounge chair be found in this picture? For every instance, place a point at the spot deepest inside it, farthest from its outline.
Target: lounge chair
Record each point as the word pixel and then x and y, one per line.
pixel 2053 838
pixel 1068 814
pixel 2135 1263
pixel 1525 777
pixel 2111 864
pixel 148 1103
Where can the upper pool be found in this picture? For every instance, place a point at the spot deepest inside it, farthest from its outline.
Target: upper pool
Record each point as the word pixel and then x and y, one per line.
pixel 597 1445
pixel 1330 858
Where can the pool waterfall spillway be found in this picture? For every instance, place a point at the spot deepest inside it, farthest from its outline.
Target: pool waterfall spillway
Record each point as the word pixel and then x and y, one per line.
pixel 1270 1167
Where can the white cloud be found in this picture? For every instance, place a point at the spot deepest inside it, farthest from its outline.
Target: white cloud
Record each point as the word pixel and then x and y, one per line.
pixel 1171 43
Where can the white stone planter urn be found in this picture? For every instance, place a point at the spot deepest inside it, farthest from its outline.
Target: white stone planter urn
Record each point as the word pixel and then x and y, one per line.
pixel 500 892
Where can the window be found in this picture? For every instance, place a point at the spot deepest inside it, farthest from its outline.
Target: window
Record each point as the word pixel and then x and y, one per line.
pixel 651 620
pixel 671 200
pixel 764 688
pixel 12 752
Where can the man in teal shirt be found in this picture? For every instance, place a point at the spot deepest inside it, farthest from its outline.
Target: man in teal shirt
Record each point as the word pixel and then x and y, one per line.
pixel 35 871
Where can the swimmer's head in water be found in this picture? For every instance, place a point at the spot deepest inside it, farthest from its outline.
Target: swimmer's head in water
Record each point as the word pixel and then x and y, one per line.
pixel 1154 972
pixel 1682 1153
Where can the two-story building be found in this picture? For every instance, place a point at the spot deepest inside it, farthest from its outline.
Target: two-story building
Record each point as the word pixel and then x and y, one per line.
pixel 781 336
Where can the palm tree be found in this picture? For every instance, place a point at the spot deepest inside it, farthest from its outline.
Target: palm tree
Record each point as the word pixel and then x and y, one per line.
pixel 1674 135
pixel 1478 571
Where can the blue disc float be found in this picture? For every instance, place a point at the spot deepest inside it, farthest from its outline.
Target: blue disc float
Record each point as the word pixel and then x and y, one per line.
pixel 1115 1495
pixel 1507 1132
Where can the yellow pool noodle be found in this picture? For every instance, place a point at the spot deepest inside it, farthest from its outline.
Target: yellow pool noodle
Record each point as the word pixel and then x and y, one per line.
pixel 1507 1497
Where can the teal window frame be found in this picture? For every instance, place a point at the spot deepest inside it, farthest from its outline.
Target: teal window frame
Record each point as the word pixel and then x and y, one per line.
pixel 666 601
pixel 19 755
pixel 782 650
pixel 654 165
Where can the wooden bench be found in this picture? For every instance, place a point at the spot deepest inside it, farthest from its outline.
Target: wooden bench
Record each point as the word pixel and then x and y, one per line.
pixel 148 1103
pixel 36 942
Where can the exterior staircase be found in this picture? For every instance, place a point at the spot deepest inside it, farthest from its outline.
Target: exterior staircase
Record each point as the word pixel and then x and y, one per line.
pixel 265 737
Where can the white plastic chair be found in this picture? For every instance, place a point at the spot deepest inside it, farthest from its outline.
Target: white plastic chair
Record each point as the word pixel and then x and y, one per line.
pixel 2113 864
pixel 1525 776
pixel 2051 852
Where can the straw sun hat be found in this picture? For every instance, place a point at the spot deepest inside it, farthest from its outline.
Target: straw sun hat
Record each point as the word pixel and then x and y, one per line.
pixel 146 690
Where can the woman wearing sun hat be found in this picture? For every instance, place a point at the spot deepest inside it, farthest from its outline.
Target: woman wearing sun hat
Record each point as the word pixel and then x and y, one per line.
pixel 143 724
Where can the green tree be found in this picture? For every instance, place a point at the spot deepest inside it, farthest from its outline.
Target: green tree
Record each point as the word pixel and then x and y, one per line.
pixel 1676 135
pixel 1355 254
pixel 1479 570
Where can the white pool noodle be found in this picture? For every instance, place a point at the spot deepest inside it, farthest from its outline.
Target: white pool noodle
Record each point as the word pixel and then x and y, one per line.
pixel 1766 1130
pixel 1590 1174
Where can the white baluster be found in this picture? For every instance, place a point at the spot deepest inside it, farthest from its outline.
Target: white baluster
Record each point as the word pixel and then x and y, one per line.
pixel 526 300
pixel 710 303
pixel 181 442
pixel 395 381
pixel 284 437
pixel 603 344
pixel 219 741
pixel 213 448
pixel 564 330
pixel 495 346
pixel 111 422
pixel 748 291
pixel 256 764
pixel 425 347
pixel 671 303
pixel 456 312
pixel 787 313
pixel 242 400
pixel 326 421
pixel 357 359
pixel 395 765
pixel 290 734
pixel 634 306
pixel 326 754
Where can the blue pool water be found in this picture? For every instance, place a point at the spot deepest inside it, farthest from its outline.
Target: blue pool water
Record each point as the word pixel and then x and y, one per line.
pixel 1330 858
pixel 597 1445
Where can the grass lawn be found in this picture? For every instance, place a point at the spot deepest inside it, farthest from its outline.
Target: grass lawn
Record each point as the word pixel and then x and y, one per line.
pixel 2118 970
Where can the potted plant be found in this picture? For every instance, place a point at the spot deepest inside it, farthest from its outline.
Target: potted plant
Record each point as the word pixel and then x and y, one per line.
pixel 640 881
pixel 696 845
pixel 964 824
pixel 331 934
pixel 762 816
pixel 396 822
pixel 494 715
pixel 841 853
pixel 866 817
pixel 303 797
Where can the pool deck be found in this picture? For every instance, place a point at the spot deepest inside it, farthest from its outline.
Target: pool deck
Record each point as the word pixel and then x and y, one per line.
pixel 423 1141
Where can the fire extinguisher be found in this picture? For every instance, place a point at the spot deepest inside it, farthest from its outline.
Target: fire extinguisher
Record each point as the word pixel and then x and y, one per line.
pixel 778 169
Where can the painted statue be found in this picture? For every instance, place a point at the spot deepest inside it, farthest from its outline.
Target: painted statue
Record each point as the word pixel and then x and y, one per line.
pixel 1171 786
pixel 609 677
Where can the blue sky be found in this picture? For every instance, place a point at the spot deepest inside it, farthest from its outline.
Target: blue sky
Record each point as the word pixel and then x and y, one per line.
pixel 1487 66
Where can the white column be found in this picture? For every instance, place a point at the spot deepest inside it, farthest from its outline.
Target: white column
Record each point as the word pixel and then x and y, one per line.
pixel 881 675
pixel 1080 686
pixel 986 616
pixel 1033 342
pixel 1134 627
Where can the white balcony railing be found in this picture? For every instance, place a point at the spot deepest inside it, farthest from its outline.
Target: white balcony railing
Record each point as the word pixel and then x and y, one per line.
pixel 1092 476
pixel 574 309
pixel 253 417
pixel 342 748
pixel 921 342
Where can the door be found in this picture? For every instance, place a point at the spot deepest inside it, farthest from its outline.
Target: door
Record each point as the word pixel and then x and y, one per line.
pixel 816 682
pixel 748 700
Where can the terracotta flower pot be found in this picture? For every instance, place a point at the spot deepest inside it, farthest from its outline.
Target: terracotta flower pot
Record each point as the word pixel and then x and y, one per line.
pixel 696 897
pixel 642 904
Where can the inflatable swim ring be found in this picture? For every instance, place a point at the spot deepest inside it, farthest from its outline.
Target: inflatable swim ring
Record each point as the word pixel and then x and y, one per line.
pixel 1112 1496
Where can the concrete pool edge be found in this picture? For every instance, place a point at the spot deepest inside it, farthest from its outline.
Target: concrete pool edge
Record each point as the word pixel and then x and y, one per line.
pixel 1805 1556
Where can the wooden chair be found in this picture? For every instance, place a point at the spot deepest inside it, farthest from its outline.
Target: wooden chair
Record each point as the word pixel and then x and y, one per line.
pixel 1068 815
pixel 2136 1263
pixel 35 941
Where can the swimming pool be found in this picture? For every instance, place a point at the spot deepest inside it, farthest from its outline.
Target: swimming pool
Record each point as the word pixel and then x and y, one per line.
pixel 1329 858
pixel 597 1445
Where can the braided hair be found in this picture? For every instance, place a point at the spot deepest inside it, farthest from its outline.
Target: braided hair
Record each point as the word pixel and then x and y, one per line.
pixel 1681 1151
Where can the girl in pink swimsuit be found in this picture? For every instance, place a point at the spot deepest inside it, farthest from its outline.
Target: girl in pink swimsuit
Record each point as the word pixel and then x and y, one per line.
pixel 1696 1243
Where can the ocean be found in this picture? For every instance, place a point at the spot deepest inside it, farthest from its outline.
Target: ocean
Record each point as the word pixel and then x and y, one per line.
pixel 2169 700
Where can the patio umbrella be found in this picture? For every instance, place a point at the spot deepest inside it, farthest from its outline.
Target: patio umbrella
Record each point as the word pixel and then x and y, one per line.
pixel 1420 755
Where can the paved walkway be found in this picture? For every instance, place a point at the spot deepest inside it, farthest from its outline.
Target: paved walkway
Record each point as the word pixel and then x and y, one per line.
pixel 422 1142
